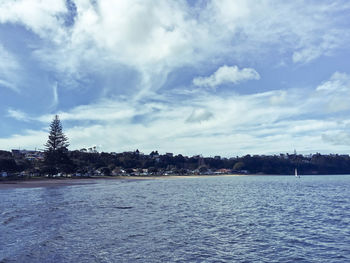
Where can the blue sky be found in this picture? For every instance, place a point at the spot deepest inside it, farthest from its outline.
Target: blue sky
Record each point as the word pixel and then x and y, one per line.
pixel 219 77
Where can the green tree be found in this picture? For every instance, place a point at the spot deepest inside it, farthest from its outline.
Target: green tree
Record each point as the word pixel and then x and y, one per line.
pixel 238 166
pixel 56 152
pixel 203 169
pixel 57 140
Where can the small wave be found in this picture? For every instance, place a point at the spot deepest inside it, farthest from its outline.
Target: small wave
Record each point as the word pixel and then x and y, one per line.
pixel 6 260
pixel 123 207
pixel 9 220
pixel 136 235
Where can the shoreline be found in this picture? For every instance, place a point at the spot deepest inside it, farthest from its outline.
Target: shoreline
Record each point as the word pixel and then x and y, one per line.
pixel 175 176
pixel 38 182
pixel 52 182
pixel 44 182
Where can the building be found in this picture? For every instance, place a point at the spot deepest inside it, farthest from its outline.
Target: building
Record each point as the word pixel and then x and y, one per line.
pixel 34 156
pixel 222 171
pixel 31 155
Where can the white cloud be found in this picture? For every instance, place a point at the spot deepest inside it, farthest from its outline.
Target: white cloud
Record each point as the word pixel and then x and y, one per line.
pixel 259 123
pixel 199 115
pixel 9 68
pixel 328 42
pixel 336 92
pixel 103 111
pixel 9 85
pixel 18 115
pixel 337 138
pixel 149 37
pixel 7 60
pixel 156 37
pixel 203 123
pixel 42 17
pixel 276 26
pixel 55 99
pixel 29 139
pixel 226 75
pixel 338 82
pixel 279 97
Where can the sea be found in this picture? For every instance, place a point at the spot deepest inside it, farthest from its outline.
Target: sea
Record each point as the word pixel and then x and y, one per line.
pixel 206 219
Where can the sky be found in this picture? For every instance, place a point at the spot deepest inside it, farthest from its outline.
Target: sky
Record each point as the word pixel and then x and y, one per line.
pixel 220 77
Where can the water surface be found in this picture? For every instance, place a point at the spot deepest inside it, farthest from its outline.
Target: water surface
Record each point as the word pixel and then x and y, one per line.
pixel 215 219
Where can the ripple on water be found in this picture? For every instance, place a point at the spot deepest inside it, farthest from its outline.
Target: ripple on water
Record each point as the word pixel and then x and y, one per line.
pixel 218 219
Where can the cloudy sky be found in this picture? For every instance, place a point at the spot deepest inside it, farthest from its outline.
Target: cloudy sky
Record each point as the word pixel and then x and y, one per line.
pixel 220 77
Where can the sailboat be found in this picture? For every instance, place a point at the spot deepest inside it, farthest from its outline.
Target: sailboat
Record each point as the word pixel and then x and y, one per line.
pixel 296 173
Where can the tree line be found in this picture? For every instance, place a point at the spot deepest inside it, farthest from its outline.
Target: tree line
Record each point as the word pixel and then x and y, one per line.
pixel 58 159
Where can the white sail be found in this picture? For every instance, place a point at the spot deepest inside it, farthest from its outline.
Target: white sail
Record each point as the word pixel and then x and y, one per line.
pixel 296 173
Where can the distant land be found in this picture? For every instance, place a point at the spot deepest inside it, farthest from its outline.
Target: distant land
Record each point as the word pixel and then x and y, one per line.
pixel 19 164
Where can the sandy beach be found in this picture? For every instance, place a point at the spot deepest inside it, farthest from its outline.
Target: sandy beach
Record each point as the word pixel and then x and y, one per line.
pixel 44 182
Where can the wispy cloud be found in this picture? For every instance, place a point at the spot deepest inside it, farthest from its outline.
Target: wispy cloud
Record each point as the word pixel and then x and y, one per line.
pixel 326 44
pixel 6 84
pixel 9 68
pixel 339 138
pixel 208 124
pixel 199 115
pixel 338 82
pixel 29 139
pixel 17 114
pixel 55 99
pixel 336 92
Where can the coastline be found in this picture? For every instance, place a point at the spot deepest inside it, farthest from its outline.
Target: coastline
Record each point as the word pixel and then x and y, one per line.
pixel 154 177
pixel 45 182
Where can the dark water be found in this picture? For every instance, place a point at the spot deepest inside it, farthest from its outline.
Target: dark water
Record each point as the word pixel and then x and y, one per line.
pixel 218 219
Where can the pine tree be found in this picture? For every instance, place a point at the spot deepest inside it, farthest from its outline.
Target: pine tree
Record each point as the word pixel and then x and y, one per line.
pixel 56 153
pixel 57 140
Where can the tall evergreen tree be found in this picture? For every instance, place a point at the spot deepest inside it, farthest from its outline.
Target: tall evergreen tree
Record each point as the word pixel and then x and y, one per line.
pixel 56 153
pixel 57 140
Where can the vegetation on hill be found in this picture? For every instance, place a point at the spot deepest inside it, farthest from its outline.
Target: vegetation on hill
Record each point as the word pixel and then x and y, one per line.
pixel 136 163
pixel 57 159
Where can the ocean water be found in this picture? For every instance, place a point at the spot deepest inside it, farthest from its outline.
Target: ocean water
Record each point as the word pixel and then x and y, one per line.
pixel 215 219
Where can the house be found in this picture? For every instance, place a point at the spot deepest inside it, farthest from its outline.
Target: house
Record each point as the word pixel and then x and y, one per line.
pixel 31 155
pixel 223 171
pixel 117 171
pixel 34 156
